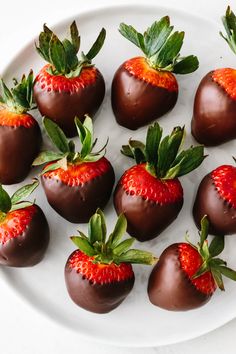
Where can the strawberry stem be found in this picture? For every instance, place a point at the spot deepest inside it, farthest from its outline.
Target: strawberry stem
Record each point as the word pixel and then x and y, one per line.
pixel 210 262
pixel 229 22
pixel 18 99
pixel 62 55
pixel 67 154
pixel 112 250
pixel 163 157
pixel 160 47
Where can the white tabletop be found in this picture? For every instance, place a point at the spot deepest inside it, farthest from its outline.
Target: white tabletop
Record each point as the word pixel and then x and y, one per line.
pixel 23 329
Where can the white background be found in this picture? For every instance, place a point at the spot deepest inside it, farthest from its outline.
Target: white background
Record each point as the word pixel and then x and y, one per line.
pixel 23 330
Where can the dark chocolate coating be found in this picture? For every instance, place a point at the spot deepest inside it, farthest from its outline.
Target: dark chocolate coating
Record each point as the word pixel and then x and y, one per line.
pixel 169 286
pixel 18 148
pixel 221 215
pixel 27 249
pixel 136 103
pixel 98 298
pixel 146 219
pixel 214 114
pixel 77 204
pixel 62 107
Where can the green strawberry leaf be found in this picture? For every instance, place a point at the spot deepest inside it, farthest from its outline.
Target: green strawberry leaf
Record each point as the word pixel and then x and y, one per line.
pixel 75 38
pixel 170 50
pixel 57 54
pixel 135 150
pixel 84 245
pixel 71 146
pixel 124 246
pixel 217 245
pixel 88 123
pixel 44 40
pixel 5 200
pixel 95 230
pixel 203 269
pixel 71 55
pixel 133 36
pixel 168 150
pixel 227 272
pixel 24 192
pixel 186 65
pixel 156 35
pixel 6 93
pixel 80 129
pixel 21 205
pixel 136 256
pixel 162 49
pixel 48 156
pixel 56 135
pixel 229 22
pixel 51 167
pixel 96 47
pixel 103 224
pixel 153 139
pixel 87 144
pixel 218 278
pixel 186 162
pixel 204 230
pixel 118 232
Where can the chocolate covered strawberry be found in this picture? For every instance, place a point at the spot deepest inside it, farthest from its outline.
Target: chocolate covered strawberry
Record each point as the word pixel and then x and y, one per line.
pixel 67 86
pixel 150 193
pixel 214 113
pixel 75 183
pixel 186 276
pixel 20 135
pixel 216 198
pixel 99 274
pixel 24 231
pixel 145 88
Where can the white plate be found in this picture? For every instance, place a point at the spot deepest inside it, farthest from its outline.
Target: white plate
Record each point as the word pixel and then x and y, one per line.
pixel 136 322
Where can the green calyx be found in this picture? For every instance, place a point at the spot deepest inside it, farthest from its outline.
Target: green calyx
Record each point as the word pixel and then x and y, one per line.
pixel 163 157
pixel 161 48
pixel 211 263
pixel 62 55
pixel 229 22
pixel 18 99
pixel 67 153
pixel 112 249
pixel 16 201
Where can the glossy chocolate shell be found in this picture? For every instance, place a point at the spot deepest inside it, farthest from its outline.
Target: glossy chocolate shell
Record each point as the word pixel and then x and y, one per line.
pixel 221 215
pixel 136 103
pixel 146 219
pixel 18 148
pixel 98 298
pixel 169 286
pixel 28 248
pixel 214 114
pixel 62 106
pixel 78 203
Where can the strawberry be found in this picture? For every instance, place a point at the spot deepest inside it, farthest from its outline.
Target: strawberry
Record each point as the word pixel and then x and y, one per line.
pixel 213 121
pixel 145 88
pixel 99 274
pixel 216 197
pixel 186 276
pixel 24 231
pixel 150 193
pixel 18 131
pixel 75 183
pixel 67 86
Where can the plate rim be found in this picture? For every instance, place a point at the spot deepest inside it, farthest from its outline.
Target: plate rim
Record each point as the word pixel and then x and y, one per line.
pixel 100 9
